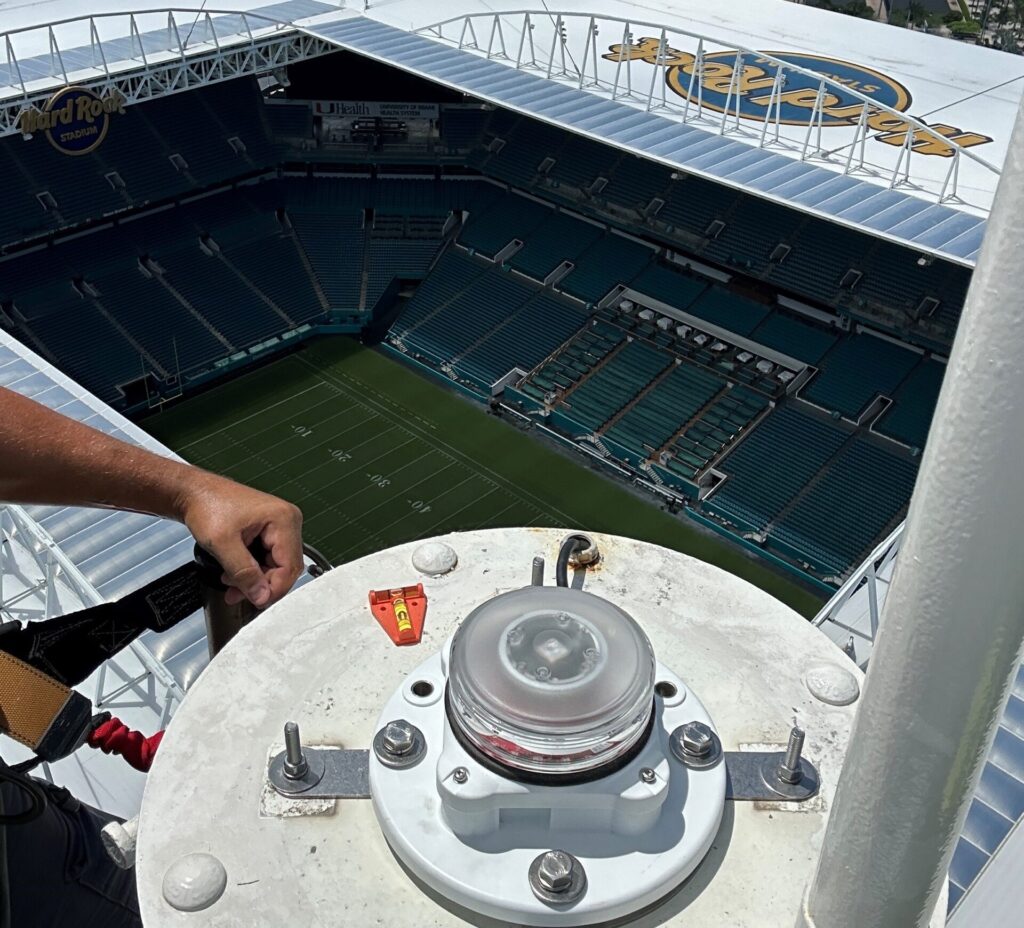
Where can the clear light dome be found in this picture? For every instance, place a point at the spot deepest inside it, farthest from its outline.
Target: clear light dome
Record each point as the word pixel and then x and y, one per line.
pixel 551 680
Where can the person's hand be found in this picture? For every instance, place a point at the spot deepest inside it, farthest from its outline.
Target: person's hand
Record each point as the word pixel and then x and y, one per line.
pixel 226 517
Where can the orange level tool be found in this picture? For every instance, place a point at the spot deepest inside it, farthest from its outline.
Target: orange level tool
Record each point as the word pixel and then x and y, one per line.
pixel 401 612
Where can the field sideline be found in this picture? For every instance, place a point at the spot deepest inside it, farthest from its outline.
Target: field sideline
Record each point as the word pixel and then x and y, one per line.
pixel 375 455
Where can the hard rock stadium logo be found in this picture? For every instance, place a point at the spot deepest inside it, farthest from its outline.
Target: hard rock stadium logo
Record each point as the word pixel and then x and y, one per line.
pixel 74 119
pixel 751 93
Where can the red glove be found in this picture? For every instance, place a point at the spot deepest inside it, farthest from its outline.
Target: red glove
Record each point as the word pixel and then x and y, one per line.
pixel 112 736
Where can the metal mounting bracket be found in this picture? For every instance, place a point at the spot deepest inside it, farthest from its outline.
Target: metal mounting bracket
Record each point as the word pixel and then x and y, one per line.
pixel 346 774
pixel 752 776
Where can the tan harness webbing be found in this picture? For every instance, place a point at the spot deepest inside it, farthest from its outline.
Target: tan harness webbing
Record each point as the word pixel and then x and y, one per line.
pixel 30 701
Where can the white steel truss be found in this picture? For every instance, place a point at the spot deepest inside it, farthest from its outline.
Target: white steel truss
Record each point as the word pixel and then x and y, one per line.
pixel 188 50
pixel 24 597
pixel 853 629
pixel 571 57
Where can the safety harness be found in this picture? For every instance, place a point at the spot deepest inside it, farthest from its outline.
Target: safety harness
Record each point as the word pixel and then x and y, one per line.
pixel 40 662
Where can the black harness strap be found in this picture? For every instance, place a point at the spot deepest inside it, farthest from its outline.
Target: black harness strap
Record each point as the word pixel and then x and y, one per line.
pixel 70 647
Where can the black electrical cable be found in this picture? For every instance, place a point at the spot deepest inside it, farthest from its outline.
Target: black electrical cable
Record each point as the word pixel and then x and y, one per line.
pixel 316 557
pixel 570 546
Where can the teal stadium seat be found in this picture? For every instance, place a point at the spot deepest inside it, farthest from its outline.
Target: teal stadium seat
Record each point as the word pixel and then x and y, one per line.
pixel 910 415
pixel 856 370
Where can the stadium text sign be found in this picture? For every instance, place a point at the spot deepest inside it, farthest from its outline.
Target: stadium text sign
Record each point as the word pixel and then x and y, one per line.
pixel 384 110
pixel 75 119
pixel 750 92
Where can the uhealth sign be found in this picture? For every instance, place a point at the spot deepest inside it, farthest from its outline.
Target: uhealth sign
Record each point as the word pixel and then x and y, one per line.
pixel 74 119
pixel 750 92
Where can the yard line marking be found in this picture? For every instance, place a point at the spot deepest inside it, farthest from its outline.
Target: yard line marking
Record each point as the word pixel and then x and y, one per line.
pixel 438 442
pixel 259 412
pixel 314 447
pixel 249 440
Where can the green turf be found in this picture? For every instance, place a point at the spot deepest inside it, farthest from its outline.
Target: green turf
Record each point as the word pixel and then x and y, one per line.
pixel 375 455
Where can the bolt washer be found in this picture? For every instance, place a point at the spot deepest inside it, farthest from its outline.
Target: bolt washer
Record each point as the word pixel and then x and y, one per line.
pixel 804 788
pixel 695 762
pixel 400 761
pixel 287 785
pixel 565 897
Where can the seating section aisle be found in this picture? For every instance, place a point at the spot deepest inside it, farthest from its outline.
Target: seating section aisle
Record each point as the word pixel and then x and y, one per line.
pixel 524 340
pixel 482 320
pixel 609 261
pixel 510 217
pixel 734 230
pixel 225 273
pixel 856 370
pixel 663 410
pixel 719 425
pixel 334 245
pixel 389 258
pixel 160 323
pixel 559 238
pixel 571 364
pixel 78 336
pixel 156 150
pixel 772 465
pixel 605 392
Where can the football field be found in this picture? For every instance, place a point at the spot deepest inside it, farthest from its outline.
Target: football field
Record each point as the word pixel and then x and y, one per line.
pixel 375 455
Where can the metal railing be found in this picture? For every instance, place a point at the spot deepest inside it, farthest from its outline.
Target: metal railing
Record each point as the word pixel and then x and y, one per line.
pixel 572 57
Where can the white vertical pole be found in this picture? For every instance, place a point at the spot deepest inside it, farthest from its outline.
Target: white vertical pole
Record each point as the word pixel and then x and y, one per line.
pixel 953 621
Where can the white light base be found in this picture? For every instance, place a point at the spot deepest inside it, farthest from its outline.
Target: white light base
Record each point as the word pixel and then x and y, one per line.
pixel 473 842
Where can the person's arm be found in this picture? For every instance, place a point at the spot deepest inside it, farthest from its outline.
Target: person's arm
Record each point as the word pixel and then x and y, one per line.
pixel 47 458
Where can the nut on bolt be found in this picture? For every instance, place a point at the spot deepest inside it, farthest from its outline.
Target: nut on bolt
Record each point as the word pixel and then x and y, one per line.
pixel 557 878
pixel 696 745
pixel 398 737
pixel 555 871
pixel 399 744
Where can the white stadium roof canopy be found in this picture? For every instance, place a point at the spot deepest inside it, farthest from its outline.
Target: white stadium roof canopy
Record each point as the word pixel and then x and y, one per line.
pixel 896 133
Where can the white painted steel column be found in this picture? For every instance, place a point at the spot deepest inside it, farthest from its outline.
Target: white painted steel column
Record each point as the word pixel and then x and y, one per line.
pixel 953 622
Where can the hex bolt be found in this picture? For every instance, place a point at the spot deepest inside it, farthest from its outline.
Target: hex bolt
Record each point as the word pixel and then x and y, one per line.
pixel 537 572
pixel 697 739
pixel 557 878
pixel 555 871
pixel 460 775
pixel 789 769
pixel 647 775
pixel 399 745
pixel 696 745
pixel 399 738
pixel 295 766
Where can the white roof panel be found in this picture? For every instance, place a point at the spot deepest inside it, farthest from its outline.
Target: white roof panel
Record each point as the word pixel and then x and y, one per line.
pixel 116 552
